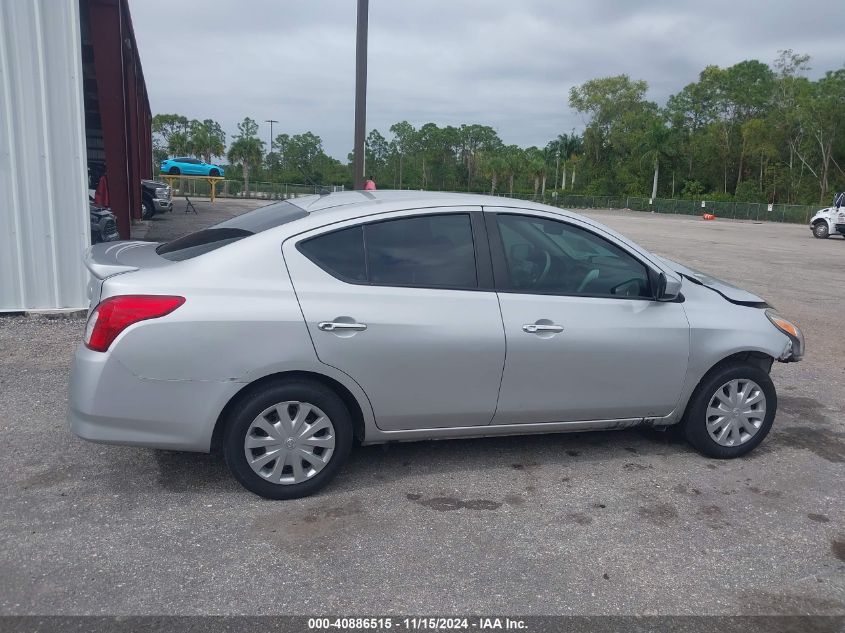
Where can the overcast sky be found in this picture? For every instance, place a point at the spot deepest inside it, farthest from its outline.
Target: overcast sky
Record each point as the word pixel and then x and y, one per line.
pixel 504 63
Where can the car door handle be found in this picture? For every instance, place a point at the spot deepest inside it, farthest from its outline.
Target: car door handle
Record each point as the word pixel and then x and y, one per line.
pixel 534 328
pixel 333 326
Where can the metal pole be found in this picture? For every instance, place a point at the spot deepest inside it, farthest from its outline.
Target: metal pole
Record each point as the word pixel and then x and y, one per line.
pixel 360 95
pixel 271 122
pixel 557 164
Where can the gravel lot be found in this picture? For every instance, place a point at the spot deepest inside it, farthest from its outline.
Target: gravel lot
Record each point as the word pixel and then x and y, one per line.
pixel 616 522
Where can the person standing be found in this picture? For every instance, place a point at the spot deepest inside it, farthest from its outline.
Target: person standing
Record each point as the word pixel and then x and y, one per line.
pixel 370 184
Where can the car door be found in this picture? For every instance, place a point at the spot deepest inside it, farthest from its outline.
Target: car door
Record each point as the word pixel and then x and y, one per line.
pixel 405 306
pixel 585 338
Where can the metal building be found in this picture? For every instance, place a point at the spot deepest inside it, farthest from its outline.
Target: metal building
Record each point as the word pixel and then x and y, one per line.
pixel 71 91
pixel 117 110
pixel 44 223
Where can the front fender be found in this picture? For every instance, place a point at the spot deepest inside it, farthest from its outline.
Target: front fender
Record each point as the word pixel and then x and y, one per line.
pixel 720 329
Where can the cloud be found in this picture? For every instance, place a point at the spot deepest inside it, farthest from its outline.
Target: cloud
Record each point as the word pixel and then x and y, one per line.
pixel 496 62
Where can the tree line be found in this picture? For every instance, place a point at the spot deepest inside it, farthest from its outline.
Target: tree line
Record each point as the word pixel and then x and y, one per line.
pixel 749 132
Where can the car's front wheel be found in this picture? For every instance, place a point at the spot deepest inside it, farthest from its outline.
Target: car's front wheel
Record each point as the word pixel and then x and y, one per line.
pixel 731 411
pixel 288 439
pixel 147 209
pixel 821 230
pixel 174 171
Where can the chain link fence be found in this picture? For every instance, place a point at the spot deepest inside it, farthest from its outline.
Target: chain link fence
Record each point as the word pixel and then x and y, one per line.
pixel 759 212
pixel 199 187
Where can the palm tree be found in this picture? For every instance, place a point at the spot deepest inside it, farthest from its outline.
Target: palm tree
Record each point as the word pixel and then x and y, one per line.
pixel 246 151
pixel 180 144
pixel 514 159
pixel 654 147
pixel 536 166
pixel 491 166
pixel 569 145
pixel 574 160
pixel 207 139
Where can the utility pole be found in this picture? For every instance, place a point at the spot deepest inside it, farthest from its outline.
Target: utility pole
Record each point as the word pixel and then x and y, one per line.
pixel 360 95
pixel 271 122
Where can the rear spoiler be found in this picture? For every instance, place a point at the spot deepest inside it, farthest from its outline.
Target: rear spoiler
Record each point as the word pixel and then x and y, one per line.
pixel 102 260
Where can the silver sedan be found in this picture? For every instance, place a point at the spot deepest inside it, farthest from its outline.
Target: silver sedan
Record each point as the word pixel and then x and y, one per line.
pixel 281 336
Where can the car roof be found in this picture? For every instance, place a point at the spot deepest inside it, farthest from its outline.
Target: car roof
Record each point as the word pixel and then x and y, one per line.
pixel 321 211
pixel 340 206
pixel 363 203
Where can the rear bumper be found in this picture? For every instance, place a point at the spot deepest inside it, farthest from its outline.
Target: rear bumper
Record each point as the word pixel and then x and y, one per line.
pixel 109 404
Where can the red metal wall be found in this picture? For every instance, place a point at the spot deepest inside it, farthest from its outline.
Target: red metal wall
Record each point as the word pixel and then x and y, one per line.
pixel 124 107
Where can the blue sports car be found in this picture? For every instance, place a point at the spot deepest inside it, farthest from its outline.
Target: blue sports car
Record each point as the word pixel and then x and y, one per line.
pixel 190 167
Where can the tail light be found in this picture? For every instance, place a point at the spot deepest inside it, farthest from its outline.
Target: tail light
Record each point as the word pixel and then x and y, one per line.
pixel 116 314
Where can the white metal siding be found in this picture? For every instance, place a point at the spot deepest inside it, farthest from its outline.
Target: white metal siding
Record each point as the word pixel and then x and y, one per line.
pixel 44 223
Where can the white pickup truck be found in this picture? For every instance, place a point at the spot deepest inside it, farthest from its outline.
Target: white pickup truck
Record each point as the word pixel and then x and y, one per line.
pixel 828 222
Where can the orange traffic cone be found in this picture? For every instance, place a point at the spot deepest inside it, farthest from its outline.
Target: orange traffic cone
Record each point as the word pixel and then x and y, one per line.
pixel 708 216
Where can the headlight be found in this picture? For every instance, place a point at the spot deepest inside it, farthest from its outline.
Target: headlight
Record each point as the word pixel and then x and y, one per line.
pixel 792 331
pixel 161 192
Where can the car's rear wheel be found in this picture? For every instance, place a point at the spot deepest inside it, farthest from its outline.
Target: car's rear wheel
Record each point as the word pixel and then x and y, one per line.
pixel 214 173
pixel 731 411
pixel 288 439
pixel 821 230
pixel 174 171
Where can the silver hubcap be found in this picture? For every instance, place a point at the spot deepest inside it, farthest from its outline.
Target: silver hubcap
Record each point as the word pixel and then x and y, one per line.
pixel 289 442
pixel 736 412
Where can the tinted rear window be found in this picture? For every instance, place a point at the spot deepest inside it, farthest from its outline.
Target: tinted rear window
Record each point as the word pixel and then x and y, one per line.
pixel 431 250
pixel 339 252
pixel 231 230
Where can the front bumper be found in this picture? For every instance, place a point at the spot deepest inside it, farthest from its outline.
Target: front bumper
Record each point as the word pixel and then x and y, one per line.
pixel 162 204
pixel 108 231
pixel 794 349
pixel 109 404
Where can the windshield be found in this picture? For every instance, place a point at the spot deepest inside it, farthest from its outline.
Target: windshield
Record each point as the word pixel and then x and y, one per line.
pixel 229 231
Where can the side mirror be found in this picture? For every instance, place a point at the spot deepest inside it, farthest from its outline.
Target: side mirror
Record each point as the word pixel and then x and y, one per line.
pixel 666 289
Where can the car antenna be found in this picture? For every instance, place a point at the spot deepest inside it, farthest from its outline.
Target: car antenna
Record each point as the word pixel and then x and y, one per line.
pixel 320 189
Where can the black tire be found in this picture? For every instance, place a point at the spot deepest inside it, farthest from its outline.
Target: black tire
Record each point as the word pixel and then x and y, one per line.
pixel 214 173
pixel 147 209
pixel 174 171
pixel 821 230
pixel 251 407
pixel 695 418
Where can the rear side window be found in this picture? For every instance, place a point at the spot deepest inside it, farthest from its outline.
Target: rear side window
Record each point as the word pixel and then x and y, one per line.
pixel 425 251
pixel 340 253
pixel 433 250
pixel 231 230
